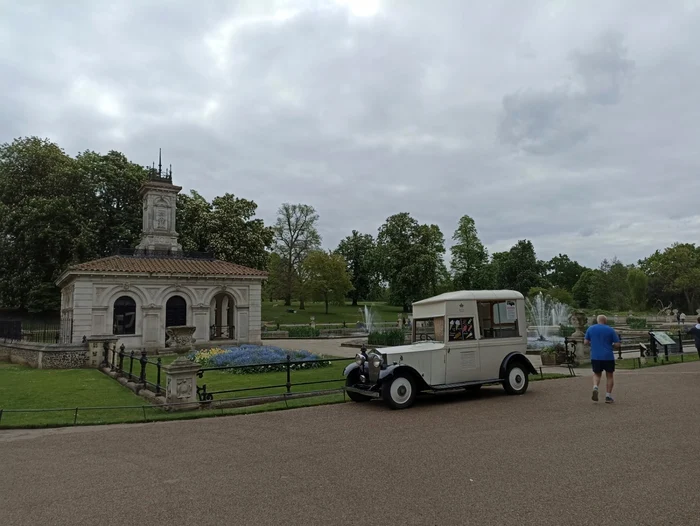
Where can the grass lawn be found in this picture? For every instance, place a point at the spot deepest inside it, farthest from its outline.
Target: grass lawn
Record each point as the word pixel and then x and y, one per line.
pixel 633 363
pixel 276 312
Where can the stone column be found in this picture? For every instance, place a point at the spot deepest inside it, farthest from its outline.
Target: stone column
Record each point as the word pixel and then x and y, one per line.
pixel 96 349
pixel 181 385
pixel 583 353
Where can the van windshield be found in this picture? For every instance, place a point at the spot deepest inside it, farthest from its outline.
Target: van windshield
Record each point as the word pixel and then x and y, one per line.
pixel 428 329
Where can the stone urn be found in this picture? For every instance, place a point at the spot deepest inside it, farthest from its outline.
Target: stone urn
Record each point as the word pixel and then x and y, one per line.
pixel 578 320
pixel 180 338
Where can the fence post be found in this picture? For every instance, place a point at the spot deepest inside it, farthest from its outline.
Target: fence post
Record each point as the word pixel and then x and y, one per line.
pixel 289 374
pixel 113 365
pixel 143 360
pixel 131 364
pixel 680 341
pixel 158 366
pixel 120 366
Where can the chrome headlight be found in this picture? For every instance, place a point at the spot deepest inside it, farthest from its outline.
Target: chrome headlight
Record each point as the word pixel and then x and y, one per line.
pixel 359 359
pixel 376 360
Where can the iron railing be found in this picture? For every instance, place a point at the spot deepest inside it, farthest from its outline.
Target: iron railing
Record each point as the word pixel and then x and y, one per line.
pixel 205 395
pixel 48 333
pixel 123 364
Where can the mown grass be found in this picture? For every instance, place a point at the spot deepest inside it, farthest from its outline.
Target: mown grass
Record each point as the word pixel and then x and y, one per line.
pixel 276 312
pixel 93 393
pixel 634 363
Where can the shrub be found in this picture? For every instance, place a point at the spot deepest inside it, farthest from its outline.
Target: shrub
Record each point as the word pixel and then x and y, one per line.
pixel 636 323
pixel 269 358
pixel 566 330
pixel 390 338
pixel 302 331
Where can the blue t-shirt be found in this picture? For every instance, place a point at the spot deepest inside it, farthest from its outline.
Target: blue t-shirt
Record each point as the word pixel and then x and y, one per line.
pixel 602 337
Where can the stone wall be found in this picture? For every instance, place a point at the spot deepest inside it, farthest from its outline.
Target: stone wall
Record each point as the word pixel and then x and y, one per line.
pixel 46 356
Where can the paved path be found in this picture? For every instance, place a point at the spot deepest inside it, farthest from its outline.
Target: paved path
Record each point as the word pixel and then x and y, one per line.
pixel 551 457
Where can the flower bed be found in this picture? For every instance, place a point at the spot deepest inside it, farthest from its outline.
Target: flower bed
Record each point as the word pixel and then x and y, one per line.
pixel 274 359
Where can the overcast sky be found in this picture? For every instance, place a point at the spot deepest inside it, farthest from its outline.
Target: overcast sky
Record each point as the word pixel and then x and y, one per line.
pixel 574 124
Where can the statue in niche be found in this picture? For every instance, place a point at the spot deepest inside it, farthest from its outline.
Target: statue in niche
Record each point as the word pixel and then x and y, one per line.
pixel 161 219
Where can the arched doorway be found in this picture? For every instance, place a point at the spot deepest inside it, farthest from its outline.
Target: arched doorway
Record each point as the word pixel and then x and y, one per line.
pixel 223 309
pixel 175 312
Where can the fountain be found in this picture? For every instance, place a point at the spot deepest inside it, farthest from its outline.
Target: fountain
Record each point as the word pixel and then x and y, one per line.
pixel 368 318
pixel 546 315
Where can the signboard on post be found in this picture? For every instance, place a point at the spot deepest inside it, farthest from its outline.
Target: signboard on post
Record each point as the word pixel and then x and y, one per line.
pixel 662 338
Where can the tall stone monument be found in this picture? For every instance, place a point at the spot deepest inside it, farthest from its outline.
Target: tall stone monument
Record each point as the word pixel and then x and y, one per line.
pixel 159 196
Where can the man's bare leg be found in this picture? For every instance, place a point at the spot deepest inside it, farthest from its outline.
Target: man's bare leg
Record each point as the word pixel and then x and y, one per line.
pixel 610 383
pixel 596 383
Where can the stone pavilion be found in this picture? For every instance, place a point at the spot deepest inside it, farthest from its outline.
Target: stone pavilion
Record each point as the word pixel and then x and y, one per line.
pixel 139 293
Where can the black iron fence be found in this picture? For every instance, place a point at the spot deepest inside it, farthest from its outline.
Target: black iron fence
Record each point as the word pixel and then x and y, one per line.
pixel 17 331
pixel 288 366
pixel 134 367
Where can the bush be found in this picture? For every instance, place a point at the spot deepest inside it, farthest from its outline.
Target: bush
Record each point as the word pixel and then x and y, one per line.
pixel 637 323
pixel 302 331
pixel 566 330
pixel 390 338
pixel 274 359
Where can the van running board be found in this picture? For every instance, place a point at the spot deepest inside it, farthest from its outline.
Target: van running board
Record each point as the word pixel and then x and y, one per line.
pixel 460 385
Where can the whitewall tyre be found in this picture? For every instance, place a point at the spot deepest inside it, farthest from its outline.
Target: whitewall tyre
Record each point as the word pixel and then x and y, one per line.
pixel 400 392
pixel 516 380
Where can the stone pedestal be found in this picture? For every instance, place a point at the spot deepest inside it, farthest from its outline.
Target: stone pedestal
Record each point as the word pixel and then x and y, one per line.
pixel 181 385
pixel 98 346
pixel 583 352
pixel 180 338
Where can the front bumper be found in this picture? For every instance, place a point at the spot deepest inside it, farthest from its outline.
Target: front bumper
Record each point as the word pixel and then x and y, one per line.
pixel 363 391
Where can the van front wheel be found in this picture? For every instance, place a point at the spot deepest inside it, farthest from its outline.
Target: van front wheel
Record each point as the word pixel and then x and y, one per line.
pixel 516 380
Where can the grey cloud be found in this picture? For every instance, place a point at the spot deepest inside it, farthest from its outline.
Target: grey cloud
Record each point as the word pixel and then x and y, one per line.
pixel 437 110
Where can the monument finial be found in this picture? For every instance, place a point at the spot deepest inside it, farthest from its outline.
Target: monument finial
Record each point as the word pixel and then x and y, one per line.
pixel 160 166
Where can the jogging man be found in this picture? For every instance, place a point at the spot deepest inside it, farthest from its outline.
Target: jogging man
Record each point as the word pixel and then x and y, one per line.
pixel 603 339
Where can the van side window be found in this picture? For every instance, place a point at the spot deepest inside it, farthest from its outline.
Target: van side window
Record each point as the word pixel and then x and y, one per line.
pixel 461 329
pixel 498 319
pixel 428 329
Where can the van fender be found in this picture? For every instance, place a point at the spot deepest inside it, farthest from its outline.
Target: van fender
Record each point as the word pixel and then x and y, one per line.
pixel 350 368
pixel 520 359
pixel 388 374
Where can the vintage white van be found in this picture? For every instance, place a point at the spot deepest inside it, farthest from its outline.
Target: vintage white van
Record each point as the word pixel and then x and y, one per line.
pixel 462 339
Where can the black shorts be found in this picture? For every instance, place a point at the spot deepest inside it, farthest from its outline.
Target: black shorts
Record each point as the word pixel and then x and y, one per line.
pixel 603 365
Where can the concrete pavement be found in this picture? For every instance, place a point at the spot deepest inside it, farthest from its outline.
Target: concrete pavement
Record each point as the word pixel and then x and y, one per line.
pixel 550 457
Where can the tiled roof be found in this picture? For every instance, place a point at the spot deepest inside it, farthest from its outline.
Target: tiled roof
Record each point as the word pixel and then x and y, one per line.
pixel 201 267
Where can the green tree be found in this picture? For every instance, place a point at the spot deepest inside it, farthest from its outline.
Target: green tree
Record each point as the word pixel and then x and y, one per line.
pixel 115 204
pixel 45 222
pixel 469 257
pixel 295 236
pixel 519 268
pixel 410 258
pixel 328 279
pixel 618 287
pixel 675 274
pixel 359 251
pixel 556 293
pixel 582 290
pixel 562 272
pixel 226 226
pixel 638 283
pixel 273 287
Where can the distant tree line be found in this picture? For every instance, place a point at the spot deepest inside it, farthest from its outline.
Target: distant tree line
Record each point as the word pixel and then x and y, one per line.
pixel 57 210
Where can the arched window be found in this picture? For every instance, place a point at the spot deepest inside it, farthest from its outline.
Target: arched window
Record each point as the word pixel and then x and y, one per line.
pixel 124 320
pixel 175 312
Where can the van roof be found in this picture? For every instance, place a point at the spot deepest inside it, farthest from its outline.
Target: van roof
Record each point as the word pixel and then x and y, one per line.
pixel 466 295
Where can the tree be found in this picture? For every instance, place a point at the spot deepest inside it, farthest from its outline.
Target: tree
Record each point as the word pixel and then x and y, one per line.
pixel 582 290
pixel 226 226
pixel 273 287
pixel 45 222
pixel 519 269
pixel 618 287
pixel 562 272
pixel 556 293
pixel 295 236
pixel 359 252
pixel 409 258
pixel 469 257
pixel 637 282
pixel 327 277
pixel 114 202
pixel 675 274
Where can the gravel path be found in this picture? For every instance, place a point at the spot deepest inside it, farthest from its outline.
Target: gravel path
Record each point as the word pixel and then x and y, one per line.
pixel 551 457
